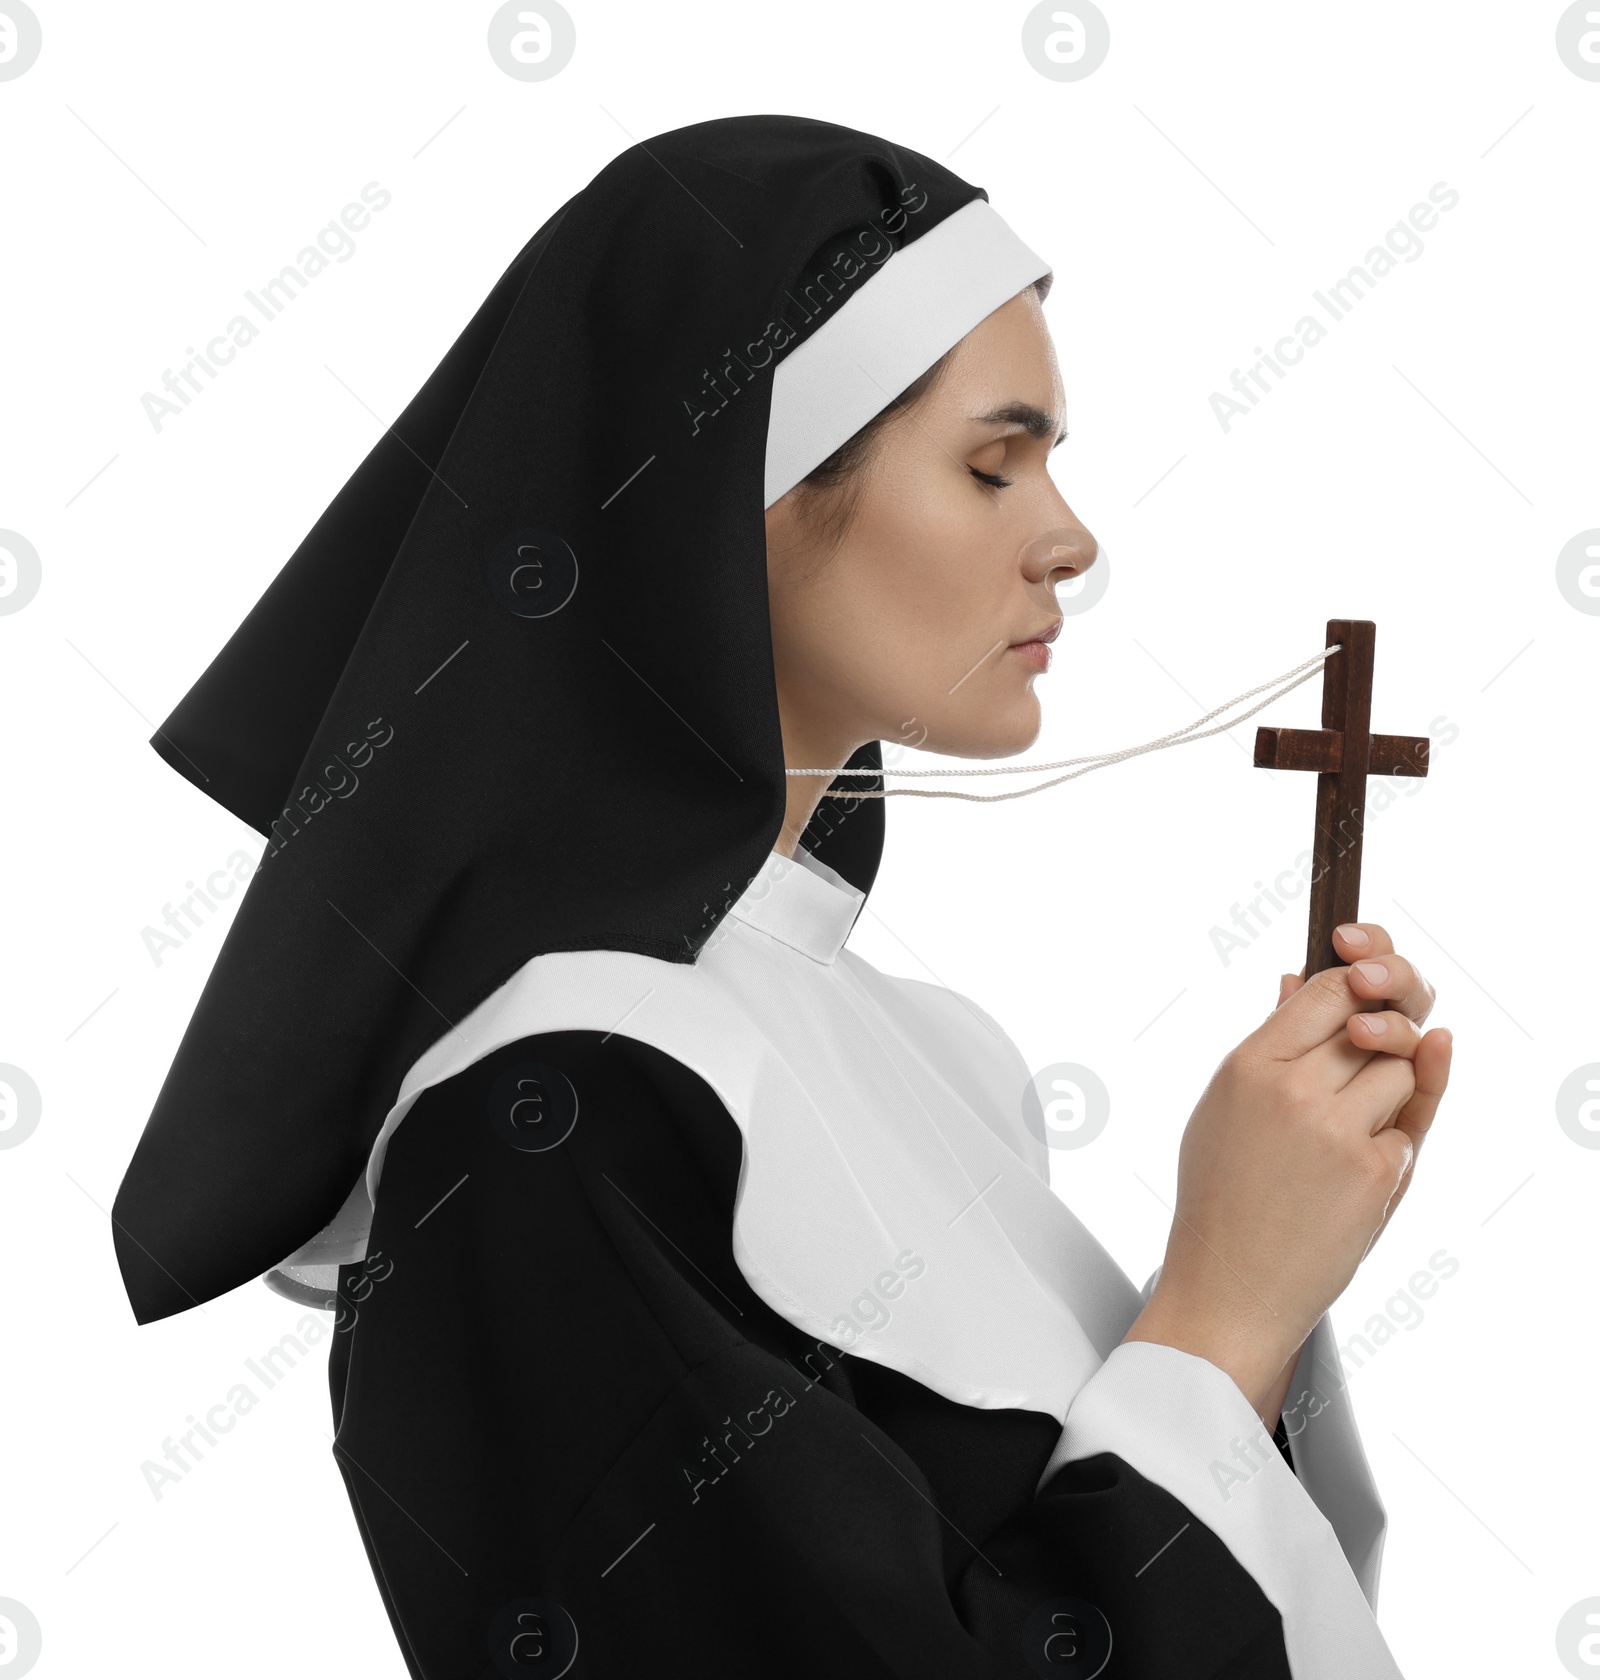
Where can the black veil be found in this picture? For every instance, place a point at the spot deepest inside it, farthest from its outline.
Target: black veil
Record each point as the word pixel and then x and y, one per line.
pixel 514 691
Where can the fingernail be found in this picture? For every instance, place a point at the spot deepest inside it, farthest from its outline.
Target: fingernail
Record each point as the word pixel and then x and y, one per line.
pixel 1352 934
pixel 1373 972
pixel 1376 1024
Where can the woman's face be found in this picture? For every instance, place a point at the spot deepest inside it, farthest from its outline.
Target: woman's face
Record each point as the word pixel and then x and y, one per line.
pixel 912 629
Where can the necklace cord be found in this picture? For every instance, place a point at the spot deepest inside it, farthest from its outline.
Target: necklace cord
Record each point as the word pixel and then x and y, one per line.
pixel 1291 679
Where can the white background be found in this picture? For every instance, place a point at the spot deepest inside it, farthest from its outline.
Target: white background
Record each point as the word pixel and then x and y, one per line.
pixel 1423 467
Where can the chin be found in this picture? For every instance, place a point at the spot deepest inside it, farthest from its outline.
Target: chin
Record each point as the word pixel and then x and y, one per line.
pixel 1002 732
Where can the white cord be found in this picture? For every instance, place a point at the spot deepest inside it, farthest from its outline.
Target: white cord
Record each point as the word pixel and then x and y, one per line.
pixel 1303 672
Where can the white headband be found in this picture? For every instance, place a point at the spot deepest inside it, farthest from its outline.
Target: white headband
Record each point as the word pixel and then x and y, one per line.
pixel 926 298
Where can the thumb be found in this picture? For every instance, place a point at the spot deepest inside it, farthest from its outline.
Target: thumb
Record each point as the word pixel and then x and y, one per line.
pixel 1398 1151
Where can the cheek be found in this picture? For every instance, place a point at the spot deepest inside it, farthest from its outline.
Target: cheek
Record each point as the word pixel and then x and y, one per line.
pixel 935 563
pixel 935 590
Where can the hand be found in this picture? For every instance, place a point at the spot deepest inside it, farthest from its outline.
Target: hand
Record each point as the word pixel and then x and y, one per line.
pixel 1429 1052
pixel 1294 1160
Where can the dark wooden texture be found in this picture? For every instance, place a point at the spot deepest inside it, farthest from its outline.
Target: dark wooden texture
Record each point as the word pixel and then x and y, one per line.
pixel 1320 749
pixel 1343 753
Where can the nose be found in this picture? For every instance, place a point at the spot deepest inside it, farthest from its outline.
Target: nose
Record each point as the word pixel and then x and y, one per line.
pixel 1065 551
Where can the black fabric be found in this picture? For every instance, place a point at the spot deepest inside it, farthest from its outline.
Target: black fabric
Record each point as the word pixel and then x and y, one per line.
pixel 544 1349
pixel 450 786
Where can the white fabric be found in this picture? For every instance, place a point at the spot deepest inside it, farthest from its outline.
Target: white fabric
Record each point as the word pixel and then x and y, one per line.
pixel 925 298
pixel 1329 1460
pixel 1182 1423
pixel 882 1114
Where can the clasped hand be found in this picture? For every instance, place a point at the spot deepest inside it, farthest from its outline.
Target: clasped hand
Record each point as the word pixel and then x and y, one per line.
pixel 1294 1161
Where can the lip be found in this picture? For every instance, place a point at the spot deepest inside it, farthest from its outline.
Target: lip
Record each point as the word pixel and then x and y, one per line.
pixel 1045 636
pixel 1036 650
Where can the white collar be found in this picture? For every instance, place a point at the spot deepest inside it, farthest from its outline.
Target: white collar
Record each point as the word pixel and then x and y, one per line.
pixel 802 902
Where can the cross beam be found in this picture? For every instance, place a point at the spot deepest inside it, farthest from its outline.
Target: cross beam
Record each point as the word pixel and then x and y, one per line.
pixel 1343 754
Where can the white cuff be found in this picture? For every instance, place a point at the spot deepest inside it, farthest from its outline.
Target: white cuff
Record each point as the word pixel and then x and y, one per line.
pixel 1183 1423
pixel 1328 1456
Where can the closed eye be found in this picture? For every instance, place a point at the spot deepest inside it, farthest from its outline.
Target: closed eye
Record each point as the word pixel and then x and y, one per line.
pixel 993 480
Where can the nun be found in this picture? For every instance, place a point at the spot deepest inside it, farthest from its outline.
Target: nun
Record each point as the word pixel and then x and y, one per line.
pixel 700 1301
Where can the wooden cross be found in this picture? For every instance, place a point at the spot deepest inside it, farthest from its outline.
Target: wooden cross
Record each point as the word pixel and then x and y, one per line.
pixel 1343 754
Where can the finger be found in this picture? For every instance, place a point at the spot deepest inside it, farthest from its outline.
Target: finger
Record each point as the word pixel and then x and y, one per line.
pixel 1367 1033
pixel 1312 1015
pixel 1389 1030
pixel 1397 1149
pixel 1431 1066
pixel 1393 979
pixel 1402 1159
pixel 1377 1097
pixel 1288 985
pixel 1354 940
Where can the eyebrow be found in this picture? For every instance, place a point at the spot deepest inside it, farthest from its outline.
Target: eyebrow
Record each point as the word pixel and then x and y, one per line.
pixel 1034 421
